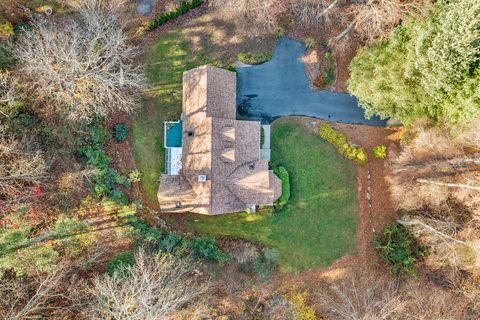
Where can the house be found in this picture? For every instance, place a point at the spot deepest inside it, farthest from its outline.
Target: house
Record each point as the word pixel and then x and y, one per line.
pixel 215 163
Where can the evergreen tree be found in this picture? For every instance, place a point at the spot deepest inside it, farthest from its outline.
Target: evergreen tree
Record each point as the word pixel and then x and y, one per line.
pixel 426 69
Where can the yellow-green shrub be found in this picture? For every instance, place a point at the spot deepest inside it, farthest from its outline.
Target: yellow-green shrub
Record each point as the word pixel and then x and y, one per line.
pixel 301 310
pixel 339 140
pixel 6 29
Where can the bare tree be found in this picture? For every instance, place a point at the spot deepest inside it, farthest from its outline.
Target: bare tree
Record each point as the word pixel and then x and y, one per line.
pixel 435 167
pixel 20 165
pixel 81 67
pixel 8 94
pixel 258 13
pixel 32 297
pixel 373 19
pixel 361 297
pixel 155 287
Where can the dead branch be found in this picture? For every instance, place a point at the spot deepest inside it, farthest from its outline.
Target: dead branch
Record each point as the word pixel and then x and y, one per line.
pixel 153 288
pixel 81 67
pixel 449 185
pixel 20 165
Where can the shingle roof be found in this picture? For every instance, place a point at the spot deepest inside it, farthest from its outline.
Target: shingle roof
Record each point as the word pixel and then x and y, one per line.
pixel 216 145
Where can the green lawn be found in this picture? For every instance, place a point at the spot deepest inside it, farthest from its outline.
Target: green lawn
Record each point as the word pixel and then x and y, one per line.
pixel 318 225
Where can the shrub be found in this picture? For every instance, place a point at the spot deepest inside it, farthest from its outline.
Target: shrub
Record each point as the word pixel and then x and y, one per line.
pixel 120 261
pixel 135 176
pixel 205 247
pixel 6 59
pixel 120 132
pixel 310 43
pixel 398 248
pixel 380 152
pixel 339 140
pixel 18 254
pixel 118 196
pixel 232 68
pixel 282 173
pixel 330 76
pixel 170 242
pixel 72 234
pixel 301 309
pixel 171 15
pixel 262 136
pixel 143 234
pixel 279 32
pixel 254 58
pixel 6 30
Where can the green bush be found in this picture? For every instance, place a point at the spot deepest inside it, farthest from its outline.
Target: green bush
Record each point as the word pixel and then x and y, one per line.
pixel 120 261
pixel 310 43
pixel 398 248
pixel 330 76
pixel 339 140
pixel 171 15
pixel 170 242
pixel 279 32
pixel 72 234
pixel 120 132
pixel 282 173
pixel 380 152
pixel 254 57
pixel 135 176
pixel 6 59
pixel 262 136
pixel 6 29
pixel 205 247
pixel 143 234
pixel 232 68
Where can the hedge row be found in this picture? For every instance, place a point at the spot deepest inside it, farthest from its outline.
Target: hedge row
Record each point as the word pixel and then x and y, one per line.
pixel 282 173
pixel 171 15
pixel 348 150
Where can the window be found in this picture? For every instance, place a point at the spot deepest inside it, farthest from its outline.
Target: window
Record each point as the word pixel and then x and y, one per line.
pixel 251 166
pixel 190 133
pixel 178 204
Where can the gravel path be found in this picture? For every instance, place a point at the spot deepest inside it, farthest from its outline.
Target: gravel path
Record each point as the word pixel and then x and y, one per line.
pixel 280 87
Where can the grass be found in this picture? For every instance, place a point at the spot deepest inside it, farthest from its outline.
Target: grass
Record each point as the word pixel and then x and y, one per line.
pixel 318 224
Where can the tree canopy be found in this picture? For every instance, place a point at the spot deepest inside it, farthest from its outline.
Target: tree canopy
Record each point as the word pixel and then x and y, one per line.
pixel 427 68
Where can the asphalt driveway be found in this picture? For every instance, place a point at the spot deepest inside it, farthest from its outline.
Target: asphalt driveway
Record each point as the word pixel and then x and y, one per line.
pixel 280 87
